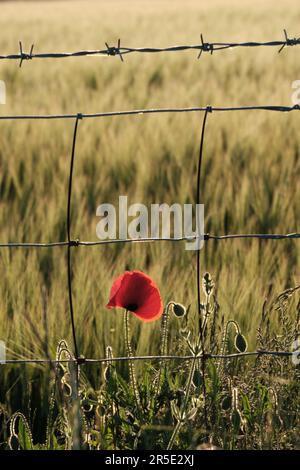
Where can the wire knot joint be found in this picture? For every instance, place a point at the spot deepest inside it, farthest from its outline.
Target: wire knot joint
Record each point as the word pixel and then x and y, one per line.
pixel 114 50
pixel 81 360
pixel 205 47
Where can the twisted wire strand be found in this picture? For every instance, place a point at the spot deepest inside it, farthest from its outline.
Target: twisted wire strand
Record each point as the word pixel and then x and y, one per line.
pixel 132 112
pixel 121 51
pixel 105 360
pixel 206 237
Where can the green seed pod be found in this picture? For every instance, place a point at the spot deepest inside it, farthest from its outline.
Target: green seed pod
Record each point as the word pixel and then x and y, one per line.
pixel 240 343
pixel 226 403
pixel 197 378
pixel 179 310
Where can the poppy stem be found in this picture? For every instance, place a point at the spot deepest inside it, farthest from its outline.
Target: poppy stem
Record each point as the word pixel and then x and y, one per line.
pixel 132 373
pixel 163 347
pixel 183 410
pixel 224 346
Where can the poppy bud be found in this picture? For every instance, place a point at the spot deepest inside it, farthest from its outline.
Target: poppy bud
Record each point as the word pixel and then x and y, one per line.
pixel 197 378
pixel 179 310
pixel 240 343
pixel 86 405
pixel 226 403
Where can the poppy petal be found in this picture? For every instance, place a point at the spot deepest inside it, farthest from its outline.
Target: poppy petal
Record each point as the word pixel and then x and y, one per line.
pixel 137 292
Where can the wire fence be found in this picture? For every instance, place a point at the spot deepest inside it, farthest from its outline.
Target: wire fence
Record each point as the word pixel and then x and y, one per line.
pixel 71 243
pixel 121 51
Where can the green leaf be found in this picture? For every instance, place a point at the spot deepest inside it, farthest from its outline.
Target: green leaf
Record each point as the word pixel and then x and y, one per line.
pixel 24 436
pixel 236 420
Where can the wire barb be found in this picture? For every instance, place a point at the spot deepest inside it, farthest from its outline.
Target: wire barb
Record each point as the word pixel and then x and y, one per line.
pixel 289 41
pixel 74 242
pixel 205 47
pixel 121 51
pixel 24 55
pixel 115 50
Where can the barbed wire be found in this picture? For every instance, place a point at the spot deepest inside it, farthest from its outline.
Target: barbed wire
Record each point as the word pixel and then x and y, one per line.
pixel 121 51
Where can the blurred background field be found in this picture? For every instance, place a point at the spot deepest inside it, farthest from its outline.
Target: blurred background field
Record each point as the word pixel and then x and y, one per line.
pixel 250 174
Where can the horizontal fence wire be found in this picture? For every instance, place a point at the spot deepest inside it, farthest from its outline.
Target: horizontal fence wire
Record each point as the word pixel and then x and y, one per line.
pixel 211 109
pixel 206 237
pixel 82 360
pixel 121 51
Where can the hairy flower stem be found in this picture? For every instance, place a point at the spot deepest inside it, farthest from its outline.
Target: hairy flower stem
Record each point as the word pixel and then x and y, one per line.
pixel 75 412
pixel 184 406
pixel 163 347
pixel 132 373
pixel 225 342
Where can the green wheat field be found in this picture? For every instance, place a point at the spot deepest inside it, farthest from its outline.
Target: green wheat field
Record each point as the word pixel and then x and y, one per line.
pixel 250 184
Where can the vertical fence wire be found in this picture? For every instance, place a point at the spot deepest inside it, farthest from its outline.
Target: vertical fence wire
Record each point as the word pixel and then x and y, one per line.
pixel 71 243
pixel 198 266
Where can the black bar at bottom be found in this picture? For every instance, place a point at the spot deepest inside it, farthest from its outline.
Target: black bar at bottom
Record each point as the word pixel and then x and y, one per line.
pixel 147 459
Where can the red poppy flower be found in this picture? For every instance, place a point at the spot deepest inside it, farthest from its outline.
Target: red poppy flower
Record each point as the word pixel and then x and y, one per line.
pixel 138 293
